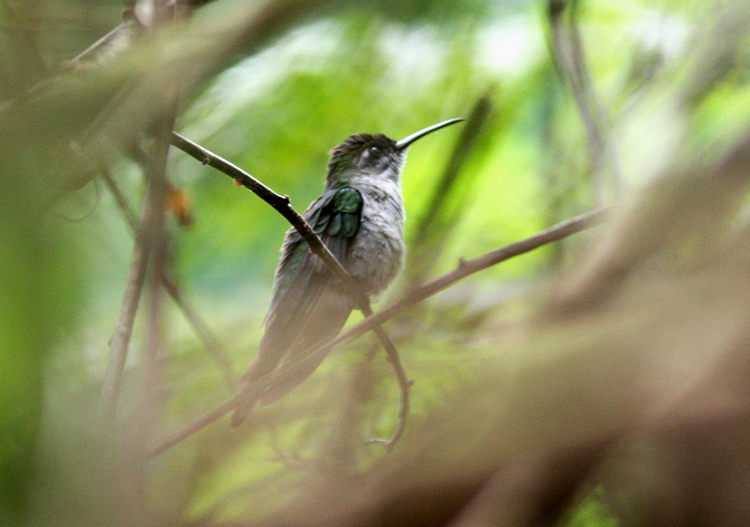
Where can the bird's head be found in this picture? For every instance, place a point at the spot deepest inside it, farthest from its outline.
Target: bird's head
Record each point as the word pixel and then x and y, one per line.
pixel 372 155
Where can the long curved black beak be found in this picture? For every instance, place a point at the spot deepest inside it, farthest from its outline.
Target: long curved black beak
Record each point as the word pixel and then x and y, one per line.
pixel 406 141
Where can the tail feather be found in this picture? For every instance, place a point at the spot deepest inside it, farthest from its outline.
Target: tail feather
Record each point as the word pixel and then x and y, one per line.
pixel 287 383
pixel 322 323
pixel 247 393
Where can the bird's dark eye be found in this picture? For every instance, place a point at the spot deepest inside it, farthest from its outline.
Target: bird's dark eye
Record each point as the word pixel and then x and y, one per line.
pixel 373 151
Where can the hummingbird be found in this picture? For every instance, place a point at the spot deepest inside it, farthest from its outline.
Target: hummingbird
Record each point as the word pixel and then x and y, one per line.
pixel 360 218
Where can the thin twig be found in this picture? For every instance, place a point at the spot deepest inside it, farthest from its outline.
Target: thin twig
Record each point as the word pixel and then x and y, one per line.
pixel 151 393
pixel 207 337
pixel 404 384
pixel 202 422
pixel 120 339
pixel 122 202
pixel 465 268
pixel 283 206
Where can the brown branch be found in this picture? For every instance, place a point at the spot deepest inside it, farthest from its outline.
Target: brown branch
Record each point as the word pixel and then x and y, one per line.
pixel 404 383
pixel 207 337
pixel 120 339
pixel 468 267
pixel 465 268
pixel 283 206
pixel 180 435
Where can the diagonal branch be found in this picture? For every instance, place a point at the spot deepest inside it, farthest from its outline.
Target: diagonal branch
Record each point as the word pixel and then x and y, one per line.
pixel 120 339
pixel 283 206
pixel 465 269
pixel 207 337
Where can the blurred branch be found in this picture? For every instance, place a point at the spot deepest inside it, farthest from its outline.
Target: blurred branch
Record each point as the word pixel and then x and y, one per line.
pixel 437 220
pixel 150 242
pixel 122 203
pixel 207 337
pixel 121 36
pixel 534 488
pixel 119 89
pixel 199 424
pixel 117 39
pixel 210 342
pixel 124 328
pixel 570 60
pixel 283 206
pixel 465 268
pixel 156 172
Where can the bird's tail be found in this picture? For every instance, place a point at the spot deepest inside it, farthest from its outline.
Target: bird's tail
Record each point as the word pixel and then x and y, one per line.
pixel 248 392
pixel 288 381
pixel 322 324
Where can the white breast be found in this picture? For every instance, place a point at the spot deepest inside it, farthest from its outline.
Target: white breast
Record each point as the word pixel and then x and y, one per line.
pixel 378 252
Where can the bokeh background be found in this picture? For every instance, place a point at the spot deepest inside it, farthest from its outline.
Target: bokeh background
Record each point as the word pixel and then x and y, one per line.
pixel 571 106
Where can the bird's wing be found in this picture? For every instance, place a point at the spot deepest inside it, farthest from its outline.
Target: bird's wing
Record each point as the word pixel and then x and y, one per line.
pixel 302 277
pixel 304 311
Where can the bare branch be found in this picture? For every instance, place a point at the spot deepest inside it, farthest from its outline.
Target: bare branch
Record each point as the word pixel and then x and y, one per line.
pixel 207 337
pixel 196 426
pixel 468 267
pixel 404 383
pixel 465 268
pixel 124 328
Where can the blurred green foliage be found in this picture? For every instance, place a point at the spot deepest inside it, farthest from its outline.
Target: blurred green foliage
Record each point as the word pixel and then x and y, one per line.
pixel 390 67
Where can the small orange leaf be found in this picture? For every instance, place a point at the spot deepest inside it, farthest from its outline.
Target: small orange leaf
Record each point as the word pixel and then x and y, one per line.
pixel 179 203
